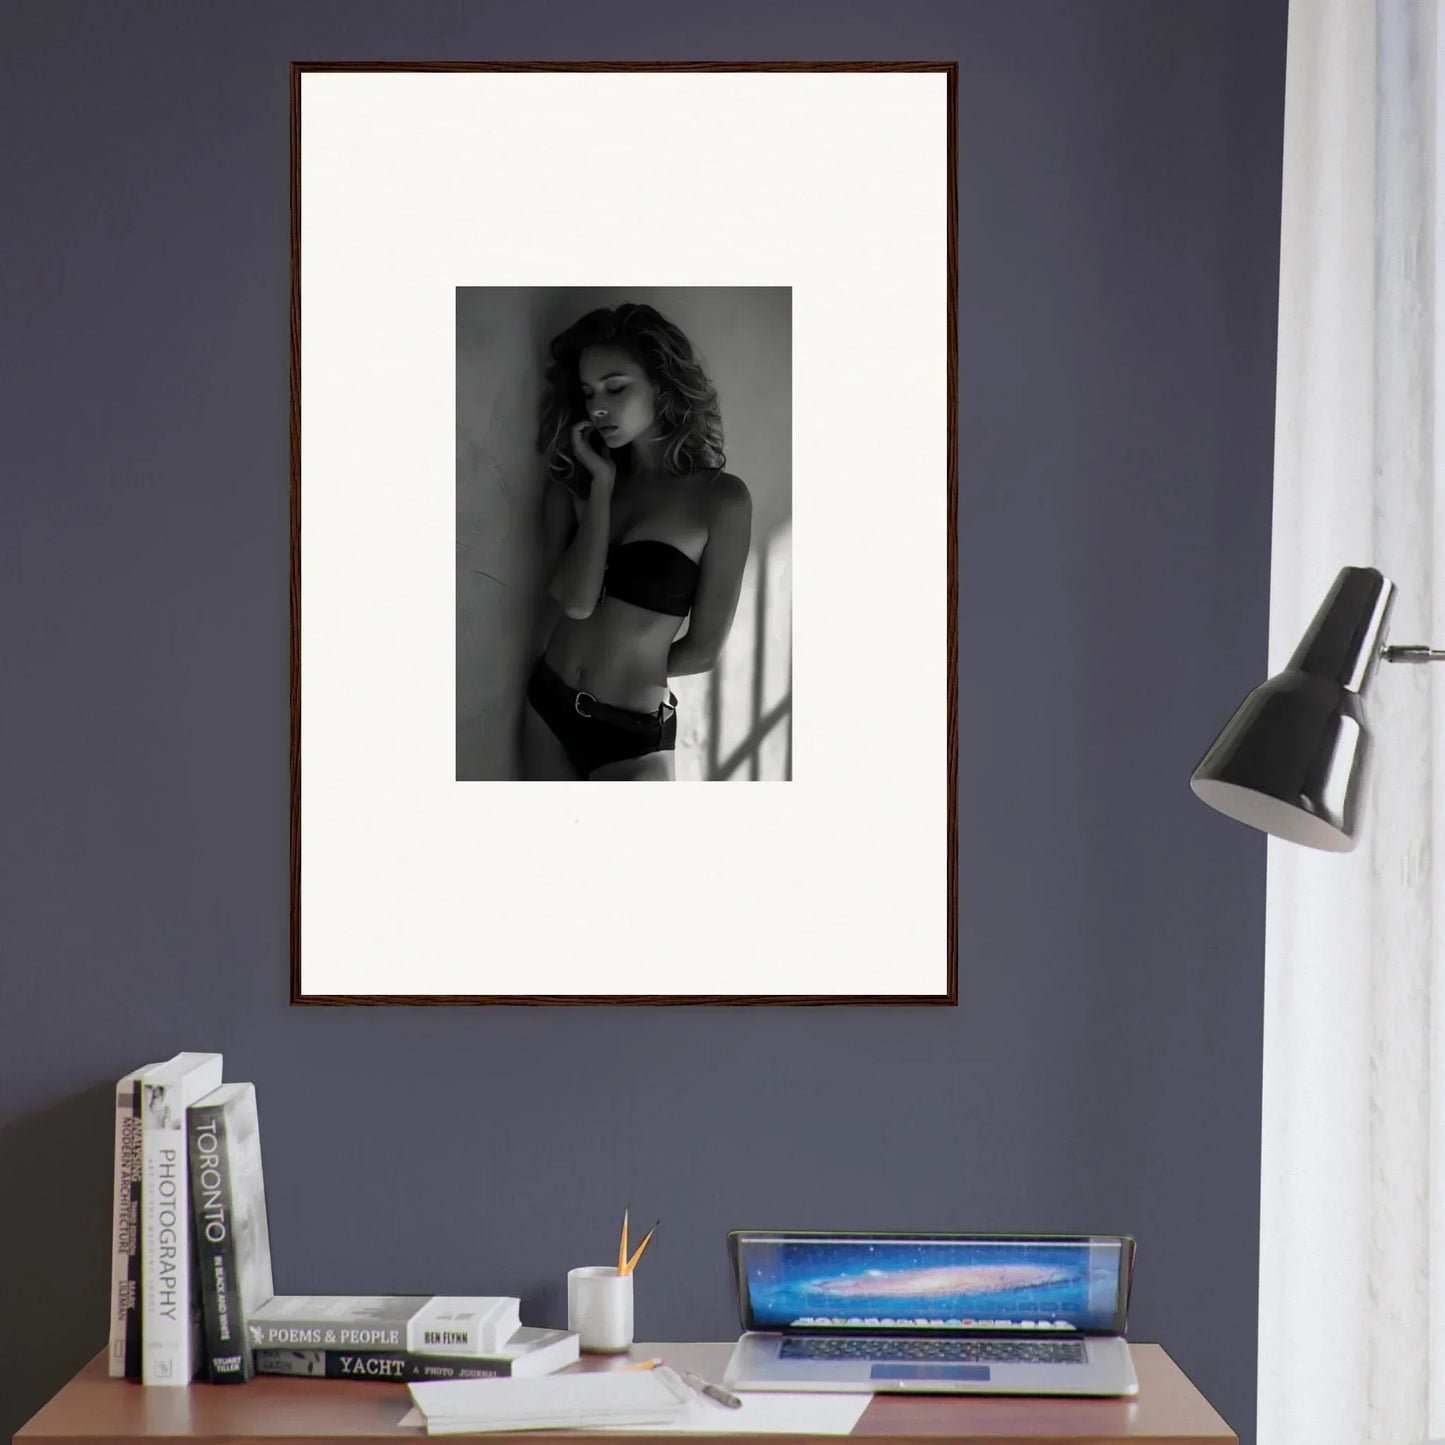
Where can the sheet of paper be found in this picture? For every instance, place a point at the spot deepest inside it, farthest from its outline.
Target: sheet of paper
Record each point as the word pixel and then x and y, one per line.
pixel 764 1412
pixel 769 1412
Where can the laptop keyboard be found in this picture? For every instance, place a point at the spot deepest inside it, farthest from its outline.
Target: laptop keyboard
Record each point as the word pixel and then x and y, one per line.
pixel 983 1352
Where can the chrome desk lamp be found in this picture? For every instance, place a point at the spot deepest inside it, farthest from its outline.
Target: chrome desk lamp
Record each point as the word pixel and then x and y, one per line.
pixel 1292 759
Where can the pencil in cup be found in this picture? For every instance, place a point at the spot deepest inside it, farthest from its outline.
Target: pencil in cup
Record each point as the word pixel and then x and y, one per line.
pixel 631 1260
pixel 599 1308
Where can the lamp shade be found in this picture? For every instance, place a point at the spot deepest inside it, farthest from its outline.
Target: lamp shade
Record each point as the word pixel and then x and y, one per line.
pixel 1292 759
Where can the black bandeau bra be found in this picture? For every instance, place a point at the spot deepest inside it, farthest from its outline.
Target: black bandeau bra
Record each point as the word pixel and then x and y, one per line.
pixel 651 574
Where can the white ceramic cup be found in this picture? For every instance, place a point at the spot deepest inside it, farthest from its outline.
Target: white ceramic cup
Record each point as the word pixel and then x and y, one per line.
pixel 599 1308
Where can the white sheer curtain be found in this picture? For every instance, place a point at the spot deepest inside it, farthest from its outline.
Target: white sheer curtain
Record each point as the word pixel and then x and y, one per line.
pixel 1352 1230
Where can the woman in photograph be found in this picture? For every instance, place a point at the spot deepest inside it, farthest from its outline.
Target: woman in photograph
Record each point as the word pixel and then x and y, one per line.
pixel 647 532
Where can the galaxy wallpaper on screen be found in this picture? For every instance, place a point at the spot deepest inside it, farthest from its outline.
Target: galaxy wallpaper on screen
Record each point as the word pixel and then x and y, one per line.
pixel 920 1284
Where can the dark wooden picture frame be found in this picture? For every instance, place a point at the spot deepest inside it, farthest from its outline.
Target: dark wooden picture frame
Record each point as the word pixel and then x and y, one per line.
pixel 945 971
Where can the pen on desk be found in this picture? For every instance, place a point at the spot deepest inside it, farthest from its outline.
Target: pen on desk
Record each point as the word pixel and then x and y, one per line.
pixel 637 1253
pixel 713 1392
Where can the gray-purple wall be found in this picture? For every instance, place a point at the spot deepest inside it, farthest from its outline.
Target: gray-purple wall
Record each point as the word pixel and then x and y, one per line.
pixel 1119 181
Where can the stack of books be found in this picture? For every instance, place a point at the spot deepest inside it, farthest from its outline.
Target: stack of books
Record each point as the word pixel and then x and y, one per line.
pixel 403 1337
pixel 191 1284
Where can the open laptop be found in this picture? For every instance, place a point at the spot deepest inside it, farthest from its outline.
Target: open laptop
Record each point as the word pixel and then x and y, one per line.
pixel 933 1313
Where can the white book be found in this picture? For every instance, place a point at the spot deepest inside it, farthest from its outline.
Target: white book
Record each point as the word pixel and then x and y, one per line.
pixel 170 1325
pixel 425 1324
pixel 609 1397
pixel 125 1226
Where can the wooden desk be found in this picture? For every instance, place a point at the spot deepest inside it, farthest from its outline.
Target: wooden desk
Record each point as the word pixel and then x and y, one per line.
pixel 95 1410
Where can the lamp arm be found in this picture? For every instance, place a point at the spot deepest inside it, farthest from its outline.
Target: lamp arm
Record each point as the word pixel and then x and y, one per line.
pixel 1414 652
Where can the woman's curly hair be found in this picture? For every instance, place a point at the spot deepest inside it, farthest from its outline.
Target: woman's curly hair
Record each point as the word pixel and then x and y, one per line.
pixel 688 421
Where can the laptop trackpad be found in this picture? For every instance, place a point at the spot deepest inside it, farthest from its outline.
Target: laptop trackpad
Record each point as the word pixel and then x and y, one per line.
pixel 890 1371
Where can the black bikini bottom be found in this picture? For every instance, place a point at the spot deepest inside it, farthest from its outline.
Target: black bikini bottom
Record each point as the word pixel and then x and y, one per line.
pixel 594 733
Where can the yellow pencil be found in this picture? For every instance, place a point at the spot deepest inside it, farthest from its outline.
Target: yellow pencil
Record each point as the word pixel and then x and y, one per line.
pixel 622 1247
pixel 632 1263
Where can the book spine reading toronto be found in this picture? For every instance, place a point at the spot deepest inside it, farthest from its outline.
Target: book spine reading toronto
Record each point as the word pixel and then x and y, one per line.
pixel 378 1365
pixel 123 1354
pixel 228 1204
pixel 170 1306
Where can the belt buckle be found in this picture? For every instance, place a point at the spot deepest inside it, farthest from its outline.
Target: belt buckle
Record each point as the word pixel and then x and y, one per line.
pixel 577 703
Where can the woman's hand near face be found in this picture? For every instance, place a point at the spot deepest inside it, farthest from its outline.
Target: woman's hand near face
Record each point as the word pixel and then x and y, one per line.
pixel 601 466
pixel 577 582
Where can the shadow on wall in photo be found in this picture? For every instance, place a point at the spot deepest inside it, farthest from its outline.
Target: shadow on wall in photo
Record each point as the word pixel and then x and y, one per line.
pixel 744 758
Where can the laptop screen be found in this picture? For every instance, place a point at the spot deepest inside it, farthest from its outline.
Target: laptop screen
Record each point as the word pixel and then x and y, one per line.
pixel 933 1283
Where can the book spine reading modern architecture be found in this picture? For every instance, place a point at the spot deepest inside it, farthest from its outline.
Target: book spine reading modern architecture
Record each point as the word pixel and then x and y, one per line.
pixel 228 1209
pixel 124 1345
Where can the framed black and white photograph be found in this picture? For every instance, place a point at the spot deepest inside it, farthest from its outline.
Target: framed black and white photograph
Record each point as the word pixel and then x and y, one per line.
pixel 623 450
pixel 624 498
